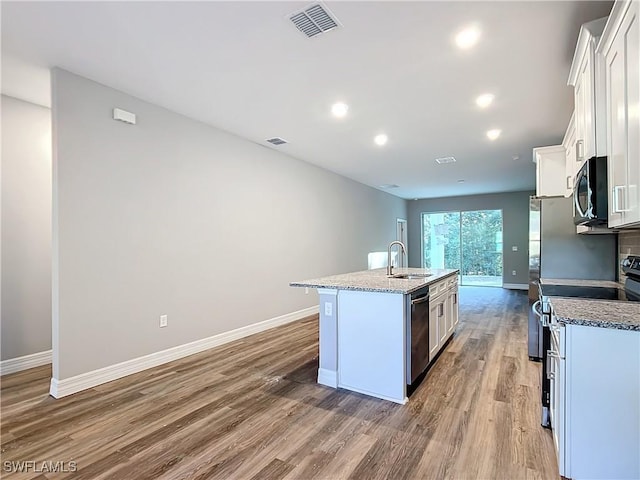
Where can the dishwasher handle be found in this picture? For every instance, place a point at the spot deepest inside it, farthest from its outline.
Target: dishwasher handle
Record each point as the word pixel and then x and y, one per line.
pixel 420 300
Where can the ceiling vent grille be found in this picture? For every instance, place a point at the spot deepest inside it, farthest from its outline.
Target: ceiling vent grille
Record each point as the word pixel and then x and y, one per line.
pixel 276 141
pixel 314 20
pixel 445 160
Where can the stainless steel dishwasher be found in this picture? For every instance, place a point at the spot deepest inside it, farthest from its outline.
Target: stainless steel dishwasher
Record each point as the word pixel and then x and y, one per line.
pixel 417 333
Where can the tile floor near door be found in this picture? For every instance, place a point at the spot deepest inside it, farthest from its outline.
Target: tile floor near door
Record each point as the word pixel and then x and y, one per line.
pixel 252 409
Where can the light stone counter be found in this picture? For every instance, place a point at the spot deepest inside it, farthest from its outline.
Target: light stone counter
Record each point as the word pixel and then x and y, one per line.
pixel 597 313
pixel 580 283
pixel 377 281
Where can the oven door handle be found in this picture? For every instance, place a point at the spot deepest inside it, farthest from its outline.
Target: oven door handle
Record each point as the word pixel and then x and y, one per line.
pixel 536 308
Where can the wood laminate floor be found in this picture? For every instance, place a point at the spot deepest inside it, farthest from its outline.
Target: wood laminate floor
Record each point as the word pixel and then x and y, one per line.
pixel 251 409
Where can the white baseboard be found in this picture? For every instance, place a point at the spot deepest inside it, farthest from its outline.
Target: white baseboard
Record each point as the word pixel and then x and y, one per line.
pixel 13 365
pixel 328 377
pixel 68 386
pixel 516 286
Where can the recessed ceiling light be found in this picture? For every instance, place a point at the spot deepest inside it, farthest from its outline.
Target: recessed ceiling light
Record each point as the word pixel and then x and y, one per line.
pixel 468 37
pixel 516 157
pixel 460 181
pixel 339 109
pixel 381 139
pixel 484 100
pixel 389 185
pixel 494 133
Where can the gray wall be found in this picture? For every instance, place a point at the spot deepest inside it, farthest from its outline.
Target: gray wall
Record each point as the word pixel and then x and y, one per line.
pixel 174 217
pixel 26 228
pixel 566 254
pixel 515 219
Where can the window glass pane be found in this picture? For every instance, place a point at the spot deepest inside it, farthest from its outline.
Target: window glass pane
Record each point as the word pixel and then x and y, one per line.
pixel 441 239
pixel 469 241
pixel 482 248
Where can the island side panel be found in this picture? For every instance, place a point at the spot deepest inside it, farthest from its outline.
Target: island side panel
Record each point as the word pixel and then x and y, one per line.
pixel 372 344
pixel 328 335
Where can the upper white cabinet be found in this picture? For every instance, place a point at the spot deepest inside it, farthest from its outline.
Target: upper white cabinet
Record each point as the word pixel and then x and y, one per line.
pixel 620 47
pixel 586 76
pixel 569 144
pixel 551 167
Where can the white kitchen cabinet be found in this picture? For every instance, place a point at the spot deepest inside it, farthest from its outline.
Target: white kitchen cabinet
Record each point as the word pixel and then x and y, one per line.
pixel 587 78
pixel 550 171
pixel 455 318
pixel 569 144
pixel 443 314
pixel 595 402
pixel 435 307
pixel 620 46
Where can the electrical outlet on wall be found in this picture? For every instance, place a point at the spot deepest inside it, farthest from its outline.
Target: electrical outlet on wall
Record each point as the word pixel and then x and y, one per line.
pixel 513 272
pixel 328 309
pixel 163 321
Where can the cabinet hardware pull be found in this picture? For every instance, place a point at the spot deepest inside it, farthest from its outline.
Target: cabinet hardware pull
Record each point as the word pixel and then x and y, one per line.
pixel 441 311
pixel 548 361
pixel 579 150
pixel 569 185
pixel 616 198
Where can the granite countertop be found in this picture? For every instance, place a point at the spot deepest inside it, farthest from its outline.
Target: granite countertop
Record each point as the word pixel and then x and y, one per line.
pixel 597 313
pixel 580 283
pixel 376 280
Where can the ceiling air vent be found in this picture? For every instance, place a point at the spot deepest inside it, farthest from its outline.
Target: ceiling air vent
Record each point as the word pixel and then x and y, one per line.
pixel 445 160
pixel 314 20
pixel 276 141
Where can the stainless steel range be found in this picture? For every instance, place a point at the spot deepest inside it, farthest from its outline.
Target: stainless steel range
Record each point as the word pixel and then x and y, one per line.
pixel 542 309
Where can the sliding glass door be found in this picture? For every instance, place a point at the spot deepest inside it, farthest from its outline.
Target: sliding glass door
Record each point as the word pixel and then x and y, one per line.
pixel 470 241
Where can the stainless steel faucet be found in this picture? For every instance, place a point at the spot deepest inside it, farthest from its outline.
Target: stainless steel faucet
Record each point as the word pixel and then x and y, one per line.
pixel 404 252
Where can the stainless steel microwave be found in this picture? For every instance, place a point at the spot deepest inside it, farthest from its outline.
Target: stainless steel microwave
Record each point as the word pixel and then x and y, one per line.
pixel 590 199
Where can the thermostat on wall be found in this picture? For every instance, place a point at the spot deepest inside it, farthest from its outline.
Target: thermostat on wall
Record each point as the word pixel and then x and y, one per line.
pixel 124 116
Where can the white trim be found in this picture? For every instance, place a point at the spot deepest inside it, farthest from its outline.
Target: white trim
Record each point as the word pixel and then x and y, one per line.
pixel 328 291
pixel 515 286
pixel 68 386
pixel 18 364
pixel 614 22
pixel 328 377
pixel 376 395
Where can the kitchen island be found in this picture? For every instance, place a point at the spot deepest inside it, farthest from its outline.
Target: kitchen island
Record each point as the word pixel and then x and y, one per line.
pixel 377 331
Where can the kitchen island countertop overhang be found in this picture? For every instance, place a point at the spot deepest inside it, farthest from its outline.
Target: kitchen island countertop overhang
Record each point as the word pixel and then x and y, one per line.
pixel 366 324
pixel 376 280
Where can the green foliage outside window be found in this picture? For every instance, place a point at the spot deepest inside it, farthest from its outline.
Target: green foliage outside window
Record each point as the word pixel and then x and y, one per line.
pixel 481 235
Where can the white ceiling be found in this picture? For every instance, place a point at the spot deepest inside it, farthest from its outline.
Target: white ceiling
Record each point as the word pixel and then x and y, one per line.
pixel 245 68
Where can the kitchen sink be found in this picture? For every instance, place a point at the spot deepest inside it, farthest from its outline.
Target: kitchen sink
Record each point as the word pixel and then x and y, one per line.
pixel 411 276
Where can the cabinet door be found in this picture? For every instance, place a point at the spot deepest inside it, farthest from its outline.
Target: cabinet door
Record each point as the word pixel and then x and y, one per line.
pixel 434 344
pixel 454 308
pixel 581 127
pixel 623 122
pixel 550 171
pixel 569 144
pixel 585 106
pixel 442 321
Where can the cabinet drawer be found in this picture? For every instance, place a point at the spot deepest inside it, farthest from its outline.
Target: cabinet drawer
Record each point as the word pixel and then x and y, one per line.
pixel 442 286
